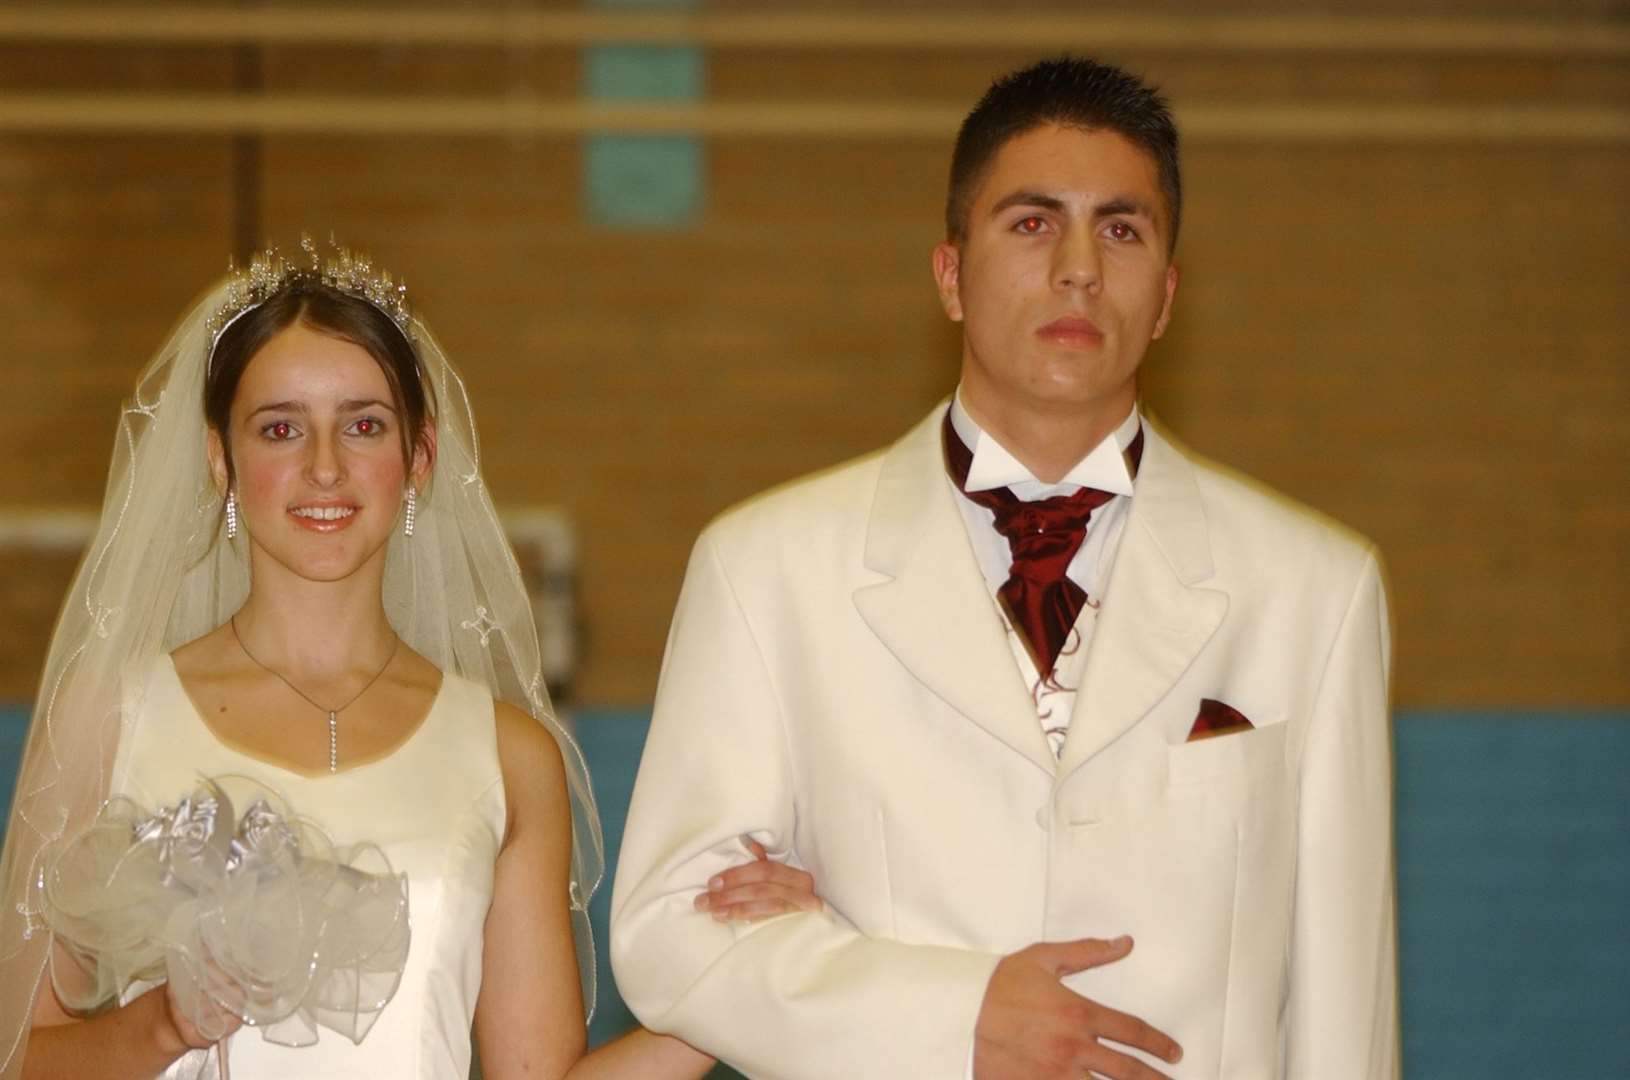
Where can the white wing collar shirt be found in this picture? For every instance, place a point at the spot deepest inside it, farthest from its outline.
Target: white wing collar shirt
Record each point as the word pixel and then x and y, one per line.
pixel 1106 467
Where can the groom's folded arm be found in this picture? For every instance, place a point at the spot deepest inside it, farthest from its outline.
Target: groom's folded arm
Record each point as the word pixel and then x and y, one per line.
pixel 802 995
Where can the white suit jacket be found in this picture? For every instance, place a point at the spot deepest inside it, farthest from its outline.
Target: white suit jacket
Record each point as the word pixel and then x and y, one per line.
pixel 838 684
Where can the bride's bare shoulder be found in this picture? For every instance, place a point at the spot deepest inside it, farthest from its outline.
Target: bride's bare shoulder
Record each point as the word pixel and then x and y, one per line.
pixel 536 800
pixel 527 753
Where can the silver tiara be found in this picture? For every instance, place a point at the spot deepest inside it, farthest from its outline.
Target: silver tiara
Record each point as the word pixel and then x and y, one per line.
pixel 268 271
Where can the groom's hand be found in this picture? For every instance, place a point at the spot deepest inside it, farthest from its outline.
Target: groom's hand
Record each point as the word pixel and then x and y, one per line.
pixel 1032 1027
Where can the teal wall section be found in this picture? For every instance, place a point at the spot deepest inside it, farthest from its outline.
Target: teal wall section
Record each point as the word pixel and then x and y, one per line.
pixel 1513 888
pixel 13 727
pixel 643 181
pixel 1513 884
pixel 611 741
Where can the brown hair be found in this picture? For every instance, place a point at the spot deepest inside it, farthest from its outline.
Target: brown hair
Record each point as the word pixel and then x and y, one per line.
pixel 339 314
pixel 1072 92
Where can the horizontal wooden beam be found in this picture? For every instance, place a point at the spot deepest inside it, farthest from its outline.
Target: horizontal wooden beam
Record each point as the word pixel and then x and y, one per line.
pixel 62 529
pixel 546 529
pixel 408 117
pixel 543 537
pixel 814 30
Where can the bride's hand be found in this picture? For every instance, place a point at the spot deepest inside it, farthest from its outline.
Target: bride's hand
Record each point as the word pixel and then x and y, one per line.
pixel 758 890
pixel 185 1031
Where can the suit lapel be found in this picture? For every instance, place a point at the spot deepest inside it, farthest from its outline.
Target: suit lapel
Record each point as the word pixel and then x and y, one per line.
pixel 1156 615
pixel 934 612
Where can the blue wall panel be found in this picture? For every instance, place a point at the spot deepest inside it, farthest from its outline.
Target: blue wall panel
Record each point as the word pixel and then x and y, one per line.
pixel 1513 884
pixel 643 181
pixel 611 741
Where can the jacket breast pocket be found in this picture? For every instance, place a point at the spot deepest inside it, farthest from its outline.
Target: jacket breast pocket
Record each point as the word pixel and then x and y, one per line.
pixel 1245 755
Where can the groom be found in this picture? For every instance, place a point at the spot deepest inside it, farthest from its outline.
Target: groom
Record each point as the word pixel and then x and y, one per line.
pixel 1084 739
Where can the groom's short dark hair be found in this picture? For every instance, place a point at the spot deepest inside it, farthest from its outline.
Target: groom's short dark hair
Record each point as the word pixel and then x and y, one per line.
pixel 1073 92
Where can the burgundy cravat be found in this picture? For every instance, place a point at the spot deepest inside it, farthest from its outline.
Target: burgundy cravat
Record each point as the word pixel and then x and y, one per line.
pixel 1043 536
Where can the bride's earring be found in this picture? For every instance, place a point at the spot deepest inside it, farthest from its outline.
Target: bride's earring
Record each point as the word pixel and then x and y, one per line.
pixel 412 505
pixel 232 516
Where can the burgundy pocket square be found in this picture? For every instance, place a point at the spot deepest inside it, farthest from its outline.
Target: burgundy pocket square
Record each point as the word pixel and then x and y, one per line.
pixel 1216 718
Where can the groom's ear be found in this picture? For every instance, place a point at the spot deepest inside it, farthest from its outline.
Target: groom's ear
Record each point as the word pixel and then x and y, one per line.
pixel 946 260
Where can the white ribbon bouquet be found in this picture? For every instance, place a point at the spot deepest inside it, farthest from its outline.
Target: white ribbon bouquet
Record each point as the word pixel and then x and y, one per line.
pixel 255 916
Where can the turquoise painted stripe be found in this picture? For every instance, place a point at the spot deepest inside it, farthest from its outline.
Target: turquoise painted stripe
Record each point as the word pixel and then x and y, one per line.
pixel 643 181
pixel 13 728
pixel 612 741
pixel 1513 880
pixel 1513 886
pixel 1513 883
pixel 643 72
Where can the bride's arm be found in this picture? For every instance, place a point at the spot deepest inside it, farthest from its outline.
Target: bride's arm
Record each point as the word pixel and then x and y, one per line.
pixel 132 1042
pixel 529 1016
pixel 758 889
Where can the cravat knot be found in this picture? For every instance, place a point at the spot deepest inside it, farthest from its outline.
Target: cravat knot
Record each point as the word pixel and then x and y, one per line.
pixel 1043 537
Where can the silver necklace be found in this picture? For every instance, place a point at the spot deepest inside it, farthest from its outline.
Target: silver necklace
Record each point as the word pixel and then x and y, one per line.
pixel 333 714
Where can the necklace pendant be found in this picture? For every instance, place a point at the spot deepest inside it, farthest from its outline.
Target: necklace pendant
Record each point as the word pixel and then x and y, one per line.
pixel 333 742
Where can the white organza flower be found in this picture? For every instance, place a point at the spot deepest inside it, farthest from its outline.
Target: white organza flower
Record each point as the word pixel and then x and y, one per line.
pixel 257 917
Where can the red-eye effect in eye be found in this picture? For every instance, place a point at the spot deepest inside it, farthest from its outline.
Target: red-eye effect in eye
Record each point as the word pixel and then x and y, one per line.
pixel 1031 225
pixel 366 427
pixel 281 430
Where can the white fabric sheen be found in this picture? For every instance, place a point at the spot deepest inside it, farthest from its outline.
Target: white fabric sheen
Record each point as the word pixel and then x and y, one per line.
pixel 435 805
pixel 837 633
pixel 994 465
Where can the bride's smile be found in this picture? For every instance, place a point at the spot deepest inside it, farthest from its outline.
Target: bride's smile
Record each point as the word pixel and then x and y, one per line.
pixel 318 455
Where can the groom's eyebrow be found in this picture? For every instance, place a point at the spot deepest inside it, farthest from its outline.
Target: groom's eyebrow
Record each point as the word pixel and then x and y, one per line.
pixel 1039 199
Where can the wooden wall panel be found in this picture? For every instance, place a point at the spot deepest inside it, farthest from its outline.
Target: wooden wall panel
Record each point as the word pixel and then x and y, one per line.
pixel 646 380
pixel 107 240
pixel 1430 345
pixel 1425 340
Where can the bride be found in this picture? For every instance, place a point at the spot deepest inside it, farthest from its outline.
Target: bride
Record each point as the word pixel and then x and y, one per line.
pixel 299 578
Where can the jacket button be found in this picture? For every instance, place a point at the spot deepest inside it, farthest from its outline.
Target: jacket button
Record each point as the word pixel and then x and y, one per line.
pixel 1044 818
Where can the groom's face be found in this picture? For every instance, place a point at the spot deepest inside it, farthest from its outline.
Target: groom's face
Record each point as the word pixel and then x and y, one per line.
pixel 1063 275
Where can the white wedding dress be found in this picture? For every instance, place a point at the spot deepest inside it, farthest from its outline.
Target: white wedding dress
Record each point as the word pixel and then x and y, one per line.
pixel 435 806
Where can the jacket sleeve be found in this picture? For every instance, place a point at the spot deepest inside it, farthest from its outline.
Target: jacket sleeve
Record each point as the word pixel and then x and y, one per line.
pixel 1343 1014
pixel 802 995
